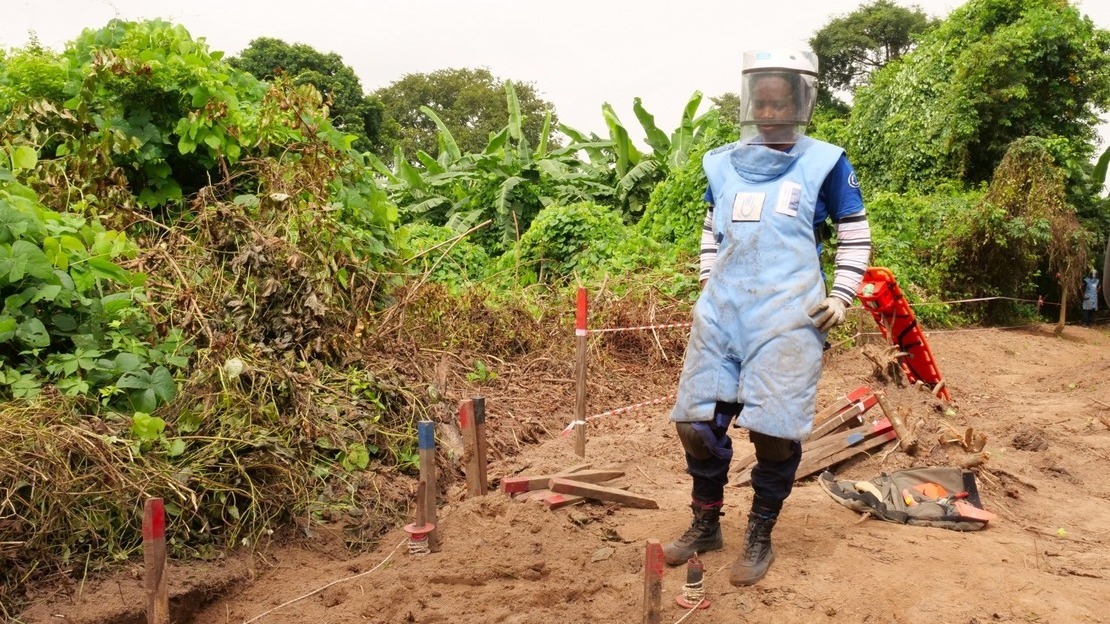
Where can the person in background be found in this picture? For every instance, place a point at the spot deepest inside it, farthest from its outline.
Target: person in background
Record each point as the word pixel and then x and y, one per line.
pixel 1090 297
pixel 760 324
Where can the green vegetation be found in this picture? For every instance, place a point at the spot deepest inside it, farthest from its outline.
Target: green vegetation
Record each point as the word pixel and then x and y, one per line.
pixel 350 110
pixel 216 292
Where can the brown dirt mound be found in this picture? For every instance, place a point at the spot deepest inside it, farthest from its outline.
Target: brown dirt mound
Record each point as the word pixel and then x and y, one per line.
pixel 1041 401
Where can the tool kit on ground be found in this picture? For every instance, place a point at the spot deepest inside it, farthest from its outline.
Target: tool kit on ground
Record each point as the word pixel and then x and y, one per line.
pixel 945 497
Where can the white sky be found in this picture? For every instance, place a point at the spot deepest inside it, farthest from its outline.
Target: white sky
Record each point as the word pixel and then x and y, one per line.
pixel 577 53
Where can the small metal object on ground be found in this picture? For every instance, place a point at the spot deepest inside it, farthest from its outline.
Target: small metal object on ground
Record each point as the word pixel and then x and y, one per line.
pixel 693 591
pixel 418 531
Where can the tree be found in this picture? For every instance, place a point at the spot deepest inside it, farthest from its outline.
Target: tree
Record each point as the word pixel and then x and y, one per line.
pixel 993 72
pixel 352 111
pixel 728 107
pixel 470 102
pixel 851 47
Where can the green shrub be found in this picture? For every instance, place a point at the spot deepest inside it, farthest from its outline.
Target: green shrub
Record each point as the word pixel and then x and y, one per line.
pixel 72 317
pixel 453 263
pixel 677 206
pixel 584 239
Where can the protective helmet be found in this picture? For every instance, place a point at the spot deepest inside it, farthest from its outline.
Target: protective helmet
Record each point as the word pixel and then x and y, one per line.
pixel 778 91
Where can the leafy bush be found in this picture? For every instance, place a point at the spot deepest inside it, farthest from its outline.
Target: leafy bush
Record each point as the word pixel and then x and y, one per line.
pixel 992 72
pixel 585 239
pixel 72 316
pixel 677 206
pixel 453 263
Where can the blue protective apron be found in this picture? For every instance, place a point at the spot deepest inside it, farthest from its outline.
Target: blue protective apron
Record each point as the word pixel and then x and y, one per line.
pixel 1090 293
pixel 752 339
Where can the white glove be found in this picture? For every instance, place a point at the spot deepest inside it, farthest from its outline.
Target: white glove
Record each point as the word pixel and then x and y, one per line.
pixel 828 314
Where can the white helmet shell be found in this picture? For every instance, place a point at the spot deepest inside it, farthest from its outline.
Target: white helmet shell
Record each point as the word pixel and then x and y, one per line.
pixel 800 61
pixel 777 95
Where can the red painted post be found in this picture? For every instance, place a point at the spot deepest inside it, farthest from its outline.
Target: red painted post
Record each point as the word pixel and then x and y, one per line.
pixel 653 582
pixel 467 423
pixel 154 562
pixel 580 333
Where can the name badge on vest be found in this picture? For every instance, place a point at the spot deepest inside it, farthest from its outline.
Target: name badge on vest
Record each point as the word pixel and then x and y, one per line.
pixel 747 206
pixel 790 196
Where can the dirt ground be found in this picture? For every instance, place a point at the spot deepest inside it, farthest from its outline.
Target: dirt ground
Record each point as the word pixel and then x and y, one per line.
pixel 1042 401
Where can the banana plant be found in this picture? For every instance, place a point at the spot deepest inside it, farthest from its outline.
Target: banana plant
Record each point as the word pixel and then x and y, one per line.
pixel 508 181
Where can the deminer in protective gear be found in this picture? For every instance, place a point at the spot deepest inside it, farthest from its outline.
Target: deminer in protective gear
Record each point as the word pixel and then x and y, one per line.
pixel 1090 297
pixel 760 324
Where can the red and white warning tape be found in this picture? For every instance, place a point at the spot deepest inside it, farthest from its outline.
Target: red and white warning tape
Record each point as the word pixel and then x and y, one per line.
pixel 619 410
pixel 640 328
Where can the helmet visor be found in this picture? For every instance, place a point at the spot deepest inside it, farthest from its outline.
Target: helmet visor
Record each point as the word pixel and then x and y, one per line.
pixel 776 105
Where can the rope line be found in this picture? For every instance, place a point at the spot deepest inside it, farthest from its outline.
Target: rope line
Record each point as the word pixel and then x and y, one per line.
pixel 619 410
pixel 1040 302
pixel 335 582
pixel 638 328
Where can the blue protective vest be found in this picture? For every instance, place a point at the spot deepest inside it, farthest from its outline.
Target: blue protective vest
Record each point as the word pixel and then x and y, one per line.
pixel 1090 293
pixel 752 339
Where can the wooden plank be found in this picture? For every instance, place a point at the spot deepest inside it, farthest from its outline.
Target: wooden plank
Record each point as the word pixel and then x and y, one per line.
pixel 840 404
pixel 154 562
pixel 533 495
pixel 425 441
pixel 600 492
pixel 855 410
pixel 525 484
pixel 832 460
pixel 837 413
pixel 840 441
pixel 558 501
pixel 820 447
pixel 837 444
pixel 653 582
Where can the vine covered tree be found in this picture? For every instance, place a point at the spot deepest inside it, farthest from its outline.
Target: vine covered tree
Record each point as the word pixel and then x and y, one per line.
pixel 853 46
pixel 352 111
pixel 993 72
pixel 470 102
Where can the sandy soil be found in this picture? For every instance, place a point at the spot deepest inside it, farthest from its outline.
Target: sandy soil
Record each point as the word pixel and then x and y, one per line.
pixel 1042 401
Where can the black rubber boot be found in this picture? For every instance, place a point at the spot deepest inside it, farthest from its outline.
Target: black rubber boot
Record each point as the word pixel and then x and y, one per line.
pixel 703 535
pixel 752 564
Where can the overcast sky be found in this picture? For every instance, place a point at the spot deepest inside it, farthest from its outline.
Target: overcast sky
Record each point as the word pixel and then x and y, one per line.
pixel 577 53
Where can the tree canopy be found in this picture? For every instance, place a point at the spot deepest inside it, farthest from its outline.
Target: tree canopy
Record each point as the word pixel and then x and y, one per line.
pixel 853 46
pixel 470 102
pixel 352 111
pixel 993 72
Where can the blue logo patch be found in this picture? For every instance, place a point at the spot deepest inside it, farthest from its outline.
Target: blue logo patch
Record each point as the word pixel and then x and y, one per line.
pixel 853 181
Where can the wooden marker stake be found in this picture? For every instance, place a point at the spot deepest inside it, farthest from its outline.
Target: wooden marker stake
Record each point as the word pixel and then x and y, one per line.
pixel 580 344
pixel 480 447
pixel 473 467
pixel 154 562
pixel 653 582
pixel 425 432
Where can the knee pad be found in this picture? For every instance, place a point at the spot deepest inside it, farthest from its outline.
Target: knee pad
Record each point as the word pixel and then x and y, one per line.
pixel 771 448
pixel 702 440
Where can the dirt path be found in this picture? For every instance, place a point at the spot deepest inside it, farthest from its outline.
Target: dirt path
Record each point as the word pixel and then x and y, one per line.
pixel 1046 559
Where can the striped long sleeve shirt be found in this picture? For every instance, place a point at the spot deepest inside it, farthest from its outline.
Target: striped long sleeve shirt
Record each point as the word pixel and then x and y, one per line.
pixel 839 200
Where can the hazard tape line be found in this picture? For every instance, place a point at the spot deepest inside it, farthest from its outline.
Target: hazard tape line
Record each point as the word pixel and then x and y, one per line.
pixel 619 410
pixel 640 328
